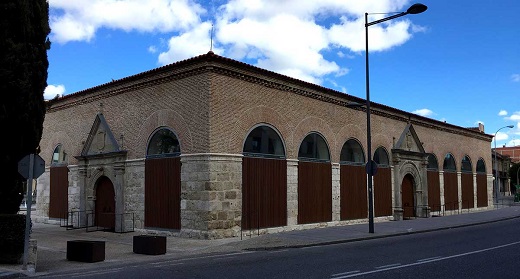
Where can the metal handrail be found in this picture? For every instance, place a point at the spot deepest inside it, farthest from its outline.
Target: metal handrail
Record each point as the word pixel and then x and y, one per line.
pixel 73 219
pixel 93 223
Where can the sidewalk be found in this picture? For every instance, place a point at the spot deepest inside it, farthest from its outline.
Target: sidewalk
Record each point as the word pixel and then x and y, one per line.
pixel 52 241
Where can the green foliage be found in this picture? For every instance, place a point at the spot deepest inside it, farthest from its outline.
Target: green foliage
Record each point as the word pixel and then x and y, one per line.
pixel 23 78
pixel 512 173
pixel 12 236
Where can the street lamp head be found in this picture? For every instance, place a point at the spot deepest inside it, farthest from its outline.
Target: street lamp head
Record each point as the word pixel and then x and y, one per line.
pixel 416 9
pixel 511 126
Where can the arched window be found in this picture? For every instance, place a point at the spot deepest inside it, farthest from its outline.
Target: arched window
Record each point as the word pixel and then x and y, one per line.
pixel 314 148
pixel 381 157
pixel 449 163
pixel 432 162
pixel 481 166
pixel 264 141
pixel 163 143
pixel 59 155
pixel 352 153
pixel 466 164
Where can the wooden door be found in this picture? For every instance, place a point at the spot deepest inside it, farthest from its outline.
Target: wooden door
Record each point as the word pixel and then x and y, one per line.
pixel 383 192
pixel 407 195
pixel 264 193
pixel 105 204
pixel 314 192
pixel 353 192
pixel 162 195
pixel 59 192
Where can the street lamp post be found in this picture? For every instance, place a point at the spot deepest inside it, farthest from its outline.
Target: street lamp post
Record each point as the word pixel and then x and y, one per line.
pixel 497 184
pixel 414 9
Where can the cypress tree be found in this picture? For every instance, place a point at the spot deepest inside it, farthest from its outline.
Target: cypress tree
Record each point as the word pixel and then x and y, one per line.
pixel 23 77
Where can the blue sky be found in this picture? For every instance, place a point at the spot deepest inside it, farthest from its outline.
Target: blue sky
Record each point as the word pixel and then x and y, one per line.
pixel 457 62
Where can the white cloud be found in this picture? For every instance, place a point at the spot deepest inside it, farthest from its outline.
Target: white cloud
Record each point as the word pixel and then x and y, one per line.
pixel 78 20
pixel 285 36
pixel 152 49
pixel 501 136
pixel 514 142
pixel 188 44
pixel 514 117
pixel 502 113
pixel 52 91
pixel 288 37
pixel 423 112
pixel 515 77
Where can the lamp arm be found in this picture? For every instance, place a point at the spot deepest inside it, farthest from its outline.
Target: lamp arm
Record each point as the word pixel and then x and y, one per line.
pixel 385 19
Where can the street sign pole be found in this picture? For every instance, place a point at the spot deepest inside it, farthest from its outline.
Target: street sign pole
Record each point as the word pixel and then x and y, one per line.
pixel 28 205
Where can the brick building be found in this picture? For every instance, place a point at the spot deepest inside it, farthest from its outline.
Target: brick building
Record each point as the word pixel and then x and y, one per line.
pixel 512 152
pixel 211 147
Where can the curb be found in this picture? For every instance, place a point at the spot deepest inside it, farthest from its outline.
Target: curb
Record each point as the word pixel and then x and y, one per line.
pixel 341 241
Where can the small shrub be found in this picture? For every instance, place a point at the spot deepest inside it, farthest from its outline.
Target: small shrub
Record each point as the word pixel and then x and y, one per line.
pixel 12 236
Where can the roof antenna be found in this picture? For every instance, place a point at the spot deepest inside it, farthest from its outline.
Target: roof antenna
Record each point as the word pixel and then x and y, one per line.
pixel 211 46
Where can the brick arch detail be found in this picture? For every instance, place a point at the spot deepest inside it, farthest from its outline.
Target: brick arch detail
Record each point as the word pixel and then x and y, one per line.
pixel 352 131
pixel 308 125
pixel 382 140
pixel 164 118
pixel 64 139
pixel 256 116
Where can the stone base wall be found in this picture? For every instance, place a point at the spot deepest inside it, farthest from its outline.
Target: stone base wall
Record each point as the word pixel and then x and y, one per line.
pixel 41 215
pixel 211 195
pixel 134 194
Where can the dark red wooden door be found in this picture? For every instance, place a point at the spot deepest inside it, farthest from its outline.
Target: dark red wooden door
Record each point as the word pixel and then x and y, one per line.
pixel 162 195
pixel 353 199
pixel 264 193
pixel 59 195
pixel 408 196
pixel 451 191
pixel 467 195
pixel 383 192
pixel 314 192
pixel 105 204
pixel 482 195
pixel 434 191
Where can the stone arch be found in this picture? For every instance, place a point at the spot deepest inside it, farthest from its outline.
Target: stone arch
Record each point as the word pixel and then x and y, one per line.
pixel 308 125
pixel 466 164
pixel 94 176
pixel 348 152
pixel 410 168
pixel 321 139
pixel 480 166
pixel 64 139
pixel 383 157
pixel 352 131
pixel 174 143
pixel 278 138
pixel 163 118
pixel 250 119
pixel 419 184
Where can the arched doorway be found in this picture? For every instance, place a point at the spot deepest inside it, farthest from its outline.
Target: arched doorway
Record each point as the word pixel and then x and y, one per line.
pixel 264 179
pixel 407 195
pixel 382 184
pixel 105 207
pixel 314 180
pixel 353 181
pixel 162 193
pixel 59 184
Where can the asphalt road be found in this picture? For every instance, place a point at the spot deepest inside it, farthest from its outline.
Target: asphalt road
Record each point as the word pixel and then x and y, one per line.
pixel 483 251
